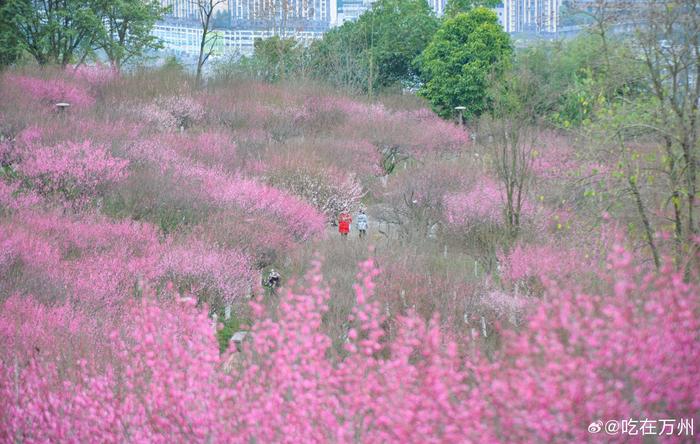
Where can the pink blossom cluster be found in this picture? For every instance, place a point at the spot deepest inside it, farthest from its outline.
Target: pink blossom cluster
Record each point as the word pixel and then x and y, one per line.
pixel 29 328
pixel 209 147
pixel 555 158
pixel 359 156
pixel 96 75
pixel 257 236
pixel 208 271
pixel 629 352
pixel 98 263
pixel 297 216
pixel 416 394
pixel 328 188
pixel 484 202
pixel 14 198
pixel 160 384
pixel 504 305
pixel 541 261
pixel 91 261
pixel 433 134
pixel 354 109
pixel 51 91
pixel 186 110
pixel 29 135
pixel 152 115
pixel 75 169
pixel 223 188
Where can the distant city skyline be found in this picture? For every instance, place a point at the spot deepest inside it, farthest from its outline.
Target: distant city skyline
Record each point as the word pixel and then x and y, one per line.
pixel 239 22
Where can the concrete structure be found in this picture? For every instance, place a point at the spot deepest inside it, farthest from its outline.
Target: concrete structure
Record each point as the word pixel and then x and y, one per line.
pixel 348 10
pixel 532 16
pixel 185 38
pixel 239 22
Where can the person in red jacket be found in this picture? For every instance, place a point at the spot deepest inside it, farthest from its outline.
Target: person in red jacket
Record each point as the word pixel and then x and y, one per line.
pixel 344 221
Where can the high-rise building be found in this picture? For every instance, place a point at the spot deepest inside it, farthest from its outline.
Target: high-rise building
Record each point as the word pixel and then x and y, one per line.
pixel 535 16
pixel 275 13
pixel 349 10
pixel 237 23
pixel 438 6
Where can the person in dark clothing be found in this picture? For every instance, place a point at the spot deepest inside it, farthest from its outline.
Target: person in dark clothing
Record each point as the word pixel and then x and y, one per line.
pixel 273 279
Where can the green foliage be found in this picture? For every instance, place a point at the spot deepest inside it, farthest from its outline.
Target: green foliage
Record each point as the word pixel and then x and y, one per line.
pixel 57 31
pixel 374 53
pixel 578 77
pixel 455 7
pixel 464 54
pixel 172 64
pixel 338 58
pixel 67 31
pixel 378 50
pixel 516 96
pixel 226 331
pixel 10 49
pixel 127 28
pixel 275 58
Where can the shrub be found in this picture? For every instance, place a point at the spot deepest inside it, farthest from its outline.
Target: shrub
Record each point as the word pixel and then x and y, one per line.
pixel 51 91
pixel 215 276
pixel 78 171
pixel 330 191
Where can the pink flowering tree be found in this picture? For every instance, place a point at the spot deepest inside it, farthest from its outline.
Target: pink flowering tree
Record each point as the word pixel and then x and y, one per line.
pixel 162 383
pixel 48 92
pixel 96 75
pixel 215 276
pixel 92 262
pixel 526 267
pixel 222 189
pixel 329 190
pixel 483 203
pixel 76 171
pixel 186 110
pixel 630 352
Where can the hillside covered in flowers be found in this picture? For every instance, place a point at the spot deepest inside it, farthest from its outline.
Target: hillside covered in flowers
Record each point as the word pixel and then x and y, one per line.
pixel 138 223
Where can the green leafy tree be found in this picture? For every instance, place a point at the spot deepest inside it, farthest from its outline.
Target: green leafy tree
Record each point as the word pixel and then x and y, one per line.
pixel 127 28
pixel 338 59
pixel 455 7
pixel 378 50
pixel 276 57
pixel 464 54
pixel 578 77
pixel 10 49
pixel 395 32
pixel 54 31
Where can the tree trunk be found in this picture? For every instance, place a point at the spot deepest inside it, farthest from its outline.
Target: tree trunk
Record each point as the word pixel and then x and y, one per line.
pixel 645 221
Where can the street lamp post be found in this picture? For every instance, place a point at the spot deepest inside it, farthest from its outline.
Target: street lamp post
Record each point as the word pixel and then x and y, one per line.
pixel 62 106
pixel 460 110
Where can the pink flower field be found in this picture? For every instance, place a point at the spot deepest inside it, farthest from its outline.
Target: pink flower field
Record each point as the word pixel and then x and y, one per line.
pixel 138 226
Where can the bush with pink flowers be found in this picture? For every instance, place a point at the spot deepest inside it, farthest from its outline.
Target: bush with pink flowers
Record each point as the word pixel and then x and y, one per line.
pixel 76 170
pixel 579 358
pixel 48 92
